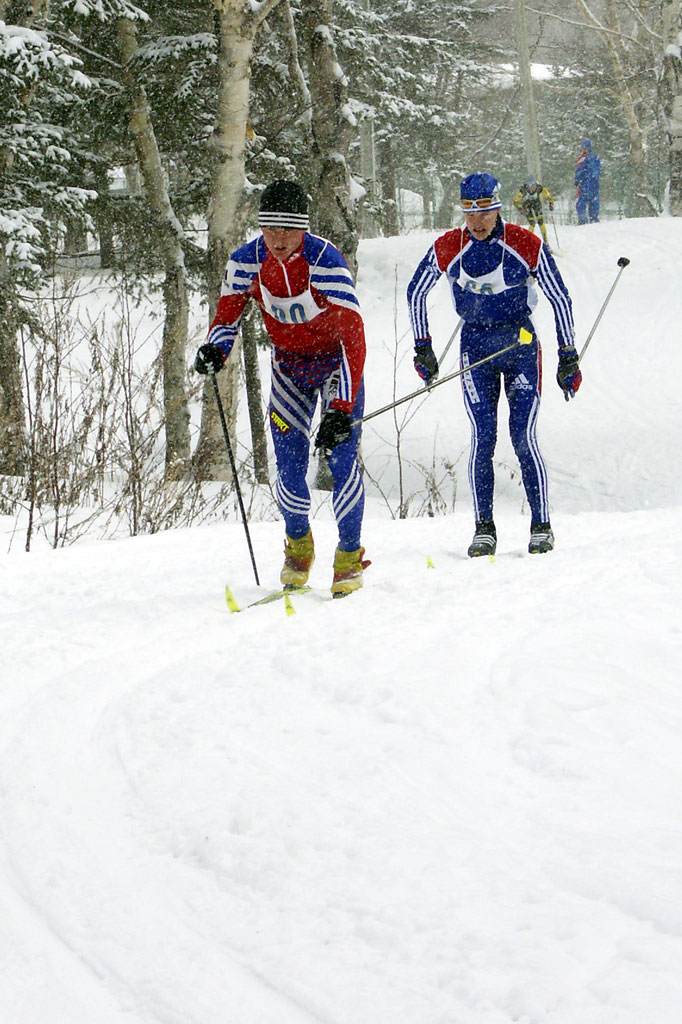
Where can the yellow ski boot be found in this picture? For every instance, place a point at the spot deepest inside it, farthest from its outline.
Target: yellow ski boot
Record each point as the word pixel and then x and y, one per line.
pixel 299 555
pixel 348 569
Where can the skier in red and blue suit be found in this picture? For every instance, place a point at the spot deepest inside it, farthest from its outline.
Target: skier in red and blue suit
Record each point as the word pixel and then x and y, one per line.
pixel 311 312
pixel 492 267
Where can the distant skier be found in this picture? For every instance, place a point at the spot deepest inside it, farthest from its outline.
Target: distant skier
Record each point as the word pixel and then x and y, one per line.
pixel 306 295
pixel 587 174
pixel 491 269
pixel 528 201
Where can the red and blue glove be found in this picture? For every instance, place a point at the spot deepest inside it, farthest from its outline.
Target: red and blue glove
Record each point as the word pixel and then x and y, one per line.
pixel 425 362
pixel 568 376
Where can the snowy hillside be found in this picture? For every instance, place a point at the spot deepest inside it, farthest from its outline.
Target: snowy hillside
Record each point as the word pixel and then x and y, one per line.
pixel 450 799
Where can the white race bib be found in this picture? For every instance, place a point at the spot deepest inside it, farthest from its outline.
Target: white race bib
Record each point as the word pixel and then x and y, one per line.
pixel 297 309
pixel 486 284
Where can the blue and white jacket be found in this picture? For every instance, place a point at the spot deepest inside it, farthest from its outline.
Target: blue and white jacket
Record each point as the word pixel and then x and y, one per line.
pixel 492 281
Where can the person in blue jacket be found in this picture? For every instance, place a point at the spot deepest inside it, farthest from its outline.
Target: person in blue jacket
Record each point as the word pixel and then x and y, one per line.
pixel 587 173
pixel 491 268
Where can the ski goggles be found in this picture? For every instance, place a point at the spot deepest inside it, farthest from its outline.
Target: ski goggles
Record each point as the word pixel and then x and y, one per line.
pixel 482 204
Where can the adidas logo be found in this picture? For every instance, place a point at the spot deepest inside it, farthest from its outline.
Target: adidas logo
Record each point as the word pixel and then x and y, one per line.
pixel 521 383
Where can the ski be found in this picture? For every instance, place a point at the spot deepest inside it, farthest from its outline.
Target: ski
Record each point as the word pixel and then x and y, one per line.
pixel 276 595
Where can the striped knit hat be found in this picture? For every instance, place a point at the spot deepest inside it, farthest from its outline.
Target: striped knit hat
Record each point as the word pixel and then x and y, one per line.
pixel 284 204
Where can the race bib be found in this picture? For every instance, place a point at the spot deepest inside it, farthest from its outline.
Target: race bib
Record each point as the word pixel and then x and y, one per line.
pixel 296 309
pixel 486 284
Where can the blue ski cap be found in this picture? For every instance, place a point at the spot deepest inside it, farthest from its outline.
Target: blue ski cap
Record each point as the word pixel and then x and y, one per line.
pixel 586 144
pixel 480 192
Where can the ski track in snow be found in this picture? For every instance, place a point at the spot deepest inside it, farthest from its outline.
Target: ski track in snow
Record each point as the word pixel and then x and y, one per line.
pixel 450 799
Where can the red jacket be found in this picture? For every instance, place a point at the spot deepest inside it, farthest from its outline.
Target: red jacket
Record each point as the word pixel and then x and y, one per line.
pixel 324 329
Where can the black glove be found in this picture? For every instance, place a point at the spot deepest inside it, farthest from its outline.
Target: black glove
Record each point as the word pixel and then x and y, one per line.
pixel 209 359
pixel 568 376
pixel 334 429
pixel 425 362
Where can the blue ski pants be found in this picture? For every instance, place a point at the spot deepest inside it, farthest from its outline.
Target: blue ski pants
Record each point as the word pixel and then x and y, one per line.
pixel 587 208
pixel 521 372
pixel 292 406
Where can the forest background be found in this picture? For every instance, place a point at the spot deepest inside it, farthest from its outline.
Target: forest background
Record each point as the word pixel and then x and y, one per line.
pixel 137 138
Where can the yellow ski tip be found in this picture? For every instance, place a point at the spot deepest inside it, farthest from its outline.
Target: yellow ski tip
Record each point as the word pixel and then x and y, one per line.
pixel 231 603
pixel 525 337
pixel 288 606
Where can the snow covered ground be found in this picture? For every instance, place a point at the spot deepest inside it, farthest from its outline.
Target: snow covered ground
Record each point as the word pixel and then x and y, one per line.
pixel 453 798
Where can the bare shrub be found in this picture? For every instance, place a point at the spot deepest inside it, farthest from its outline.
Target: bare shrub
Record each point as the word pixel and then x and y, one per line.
pixel 94 401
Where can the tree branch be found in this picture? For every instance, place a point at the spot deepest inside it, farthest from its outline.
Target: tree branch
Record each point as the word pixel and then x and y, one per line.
pixel 262 9
pixel 583 24
pixel 647 28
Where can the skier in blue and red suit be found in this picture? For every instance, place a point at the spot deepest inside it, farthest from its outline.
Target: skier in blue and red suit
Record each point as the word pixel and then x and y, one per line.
pixel 587 172
pixel 491 267
pixel 307 299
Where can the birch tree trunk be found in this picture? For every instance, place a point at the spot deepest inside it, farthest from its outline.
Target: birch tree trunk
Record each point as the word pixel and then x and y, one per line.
pixel 671 93
pixel 175 329
pixel 334 213
pixel 296 75
pixel 238 22
pixel 334 127
pixel 612 36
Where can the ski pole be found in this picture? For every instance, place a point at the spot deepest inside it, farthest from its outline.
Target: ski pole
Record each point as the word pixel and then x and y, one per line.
pixel 622 263
pixel 556 233
pixel 525 337
pixel 226 435
pixel 452 338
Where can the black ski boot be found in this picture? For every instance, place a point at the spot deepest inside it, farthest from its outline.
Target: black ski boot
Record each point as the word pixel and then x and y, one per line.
pixel 485 539
pixel 541 538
